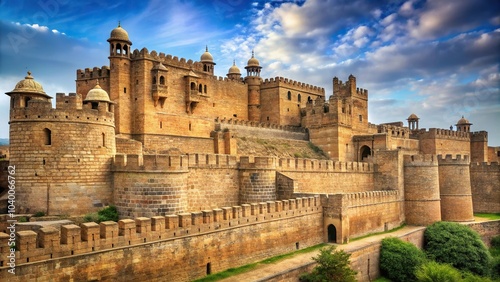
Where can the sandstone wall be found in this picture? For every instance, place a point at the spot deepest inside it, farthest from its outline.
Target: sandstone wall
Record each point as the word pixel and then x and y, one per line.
pixel 180 144
pixel 184 246
pixel 485 179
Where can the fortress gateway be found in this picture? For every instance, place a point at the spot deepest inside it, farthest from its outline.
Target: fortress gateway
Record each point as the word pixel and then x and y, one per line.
pixel 192 162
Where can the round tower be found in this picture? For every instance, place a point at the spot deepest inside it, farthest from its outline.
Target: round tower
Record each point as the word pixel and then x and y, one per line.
pixel 120 89
pixel 455 188
pixel 253 81
pixel 257 179
pixel 62 156
pixel 421 182
pixel 208 61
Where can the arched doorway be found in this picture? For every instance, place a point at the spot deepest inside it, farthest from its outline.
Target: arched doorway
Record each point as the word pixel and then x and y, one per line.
pixel 332 233
pixel 365 152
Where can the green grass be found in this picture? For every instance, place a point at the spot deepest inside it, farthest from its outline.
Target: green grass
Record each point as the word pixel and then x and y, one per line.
pixel 377 233
pixel 491 216
pixel 242 269
pixel 381 279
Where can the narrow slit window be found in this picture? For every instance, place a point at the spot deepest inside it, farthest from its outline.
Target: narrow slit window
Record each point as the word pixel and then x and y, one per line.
pixel 103 139
pixel 47 136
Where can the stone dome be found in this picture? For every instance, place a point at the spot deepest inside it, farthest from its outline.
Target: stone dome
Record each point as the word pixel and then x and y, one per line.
pixel 253 62
pixel 234 69
pixel 28 85
pixel 97 94
pixel 413 116
pixel 206 57
pixel 463 121
pixel 119 34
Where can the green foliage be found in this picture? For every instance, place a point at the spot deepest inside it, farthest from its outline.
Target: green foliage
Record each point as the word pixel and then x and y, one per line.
pixel 39 214
pixel 399 259
pixel 435 272
pixel 22 219
pixel 331 266
pixel 108 213
pixel 469 277
pixel 490 216
pixel 495 269
pixel 495 242
pixel 458 245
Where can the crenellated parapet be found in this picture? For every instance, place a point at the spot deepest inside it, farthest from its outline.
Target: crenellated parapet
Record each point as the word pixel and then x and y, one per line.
pixel 360 199
pixel 485 167
pixel 479 136
pixel 212 161
pixel 167 60
pixel 150 163
pixel 280 81
pixel 437 133
pixel 348 88
pixel 71 240
pixel 290 128
pixel 294 164
pixel 396 131
pixel 420 160
pixel 94 73
pixel 450 160
pixel 69 108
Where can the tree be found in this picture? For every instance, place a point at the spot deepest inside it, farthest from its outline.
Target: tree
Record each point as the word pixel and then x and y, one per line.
pixel 332 265
pixel 458 245
pixel 399 259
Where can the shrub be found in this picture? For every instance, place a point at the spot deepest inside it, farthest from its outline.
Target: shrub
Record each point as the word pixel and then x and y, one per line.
pixel 495 270
pixel 91 217
pixel 495 242
pixel 399 259
pixel 108 213
pixel 332 266
pixel 22 219
pixel 435 272
pixel 39 214
pixel 469 277
pixel 458 245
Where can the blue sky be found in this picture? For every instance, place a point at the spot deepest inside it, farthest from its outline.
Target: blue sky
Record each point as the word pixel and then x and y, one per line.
pixel 437 59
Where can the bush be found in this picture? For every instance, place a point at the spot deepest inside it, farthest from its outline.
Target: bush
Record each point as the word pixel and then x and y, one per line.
pixel 399 259
pixel 332 266
pixel 435 272
pixel 458 245
pixel 39 214
pixel 91 217
pixel 495 242
pixel 108 213
pixel 469 277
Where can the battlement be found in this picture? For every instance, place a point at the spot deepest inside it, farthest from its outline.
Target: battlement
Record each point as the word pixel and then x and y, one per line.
pixel 485 167
pixel 167 60
pixel 212 160
pixel 258 162
pixel 458 160
pixel 348 88
pixel 69 108
pixel 159 163
pixel 443 134
pixel 479 136
pixel 292 164
pixel 394 129
pixel 420 160
pixel 70 240
pixel 280 81
pixel 95 73
pixel 260 125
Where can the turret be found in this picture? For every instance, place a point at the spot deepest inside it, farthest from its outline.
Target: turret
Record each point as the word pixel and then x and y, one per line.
pixel 234 72
pixel 254 81
pixel 208 61
pixel 27 91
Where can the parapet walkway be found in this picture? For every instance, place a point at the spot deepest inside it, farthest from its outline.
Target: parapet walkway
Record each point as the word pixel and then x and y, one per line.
pixel 268 272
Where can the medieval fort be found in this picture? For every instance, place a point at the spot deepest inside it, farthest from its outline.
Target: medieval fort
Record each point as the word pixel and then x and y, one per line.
pixel 210 173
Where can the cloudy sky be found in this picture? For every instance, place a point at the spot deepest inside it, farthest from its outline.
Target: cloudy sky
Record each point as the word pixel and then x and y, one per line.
pixel 438 59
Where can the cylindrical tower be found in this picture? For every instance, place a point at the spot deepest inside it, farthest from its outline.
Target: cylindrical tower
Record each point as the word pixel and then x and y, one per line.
pixel 253 81
pixel 257 179
pixel 421 178
pixel 62 156
pixel 455 188
pixel 150 185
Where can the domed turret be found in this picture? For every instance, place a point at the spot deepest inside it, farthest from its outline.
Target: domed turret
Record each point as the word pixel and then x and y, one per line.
pixel 97 94
pixel 208 61
pixel 234 72
pixel 119 34
pixel 29 85
pixel 253 66
pixel 413 122
pixel 463 125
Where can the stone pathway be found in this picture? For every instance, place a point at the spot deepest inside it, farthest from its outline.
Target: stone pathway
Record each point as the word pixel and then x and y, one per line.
pixel 265 271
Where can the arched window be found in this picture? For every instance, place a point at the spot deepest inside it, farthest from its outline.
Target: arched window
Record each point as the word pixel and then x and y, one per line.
pixel 193 86
pixel 205 89
pixel 205 68
pixel 289 95
pixel 154 80
pixel 309 99
pixel 365 152
pixel 299 98
pixel 125 50
pixel 47 136
pixel 162 80
pixel 200 88
pixel 26 101
pixel 118 48
pixel 332 233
